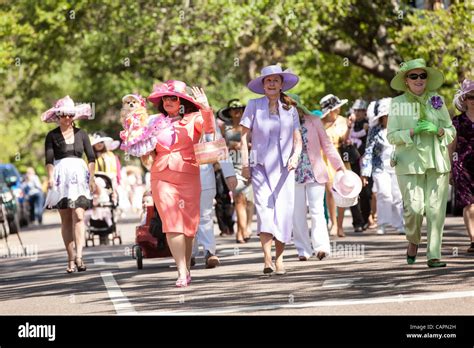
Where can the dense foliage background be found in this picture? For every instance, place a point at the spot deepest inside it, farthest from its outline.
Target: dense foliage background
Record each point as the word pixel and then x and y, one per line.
pixel 97 51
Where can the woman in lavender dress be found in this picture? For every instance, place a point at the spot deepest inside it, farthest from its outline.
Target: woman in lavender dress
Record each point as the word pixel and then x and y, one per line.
pixel 272 124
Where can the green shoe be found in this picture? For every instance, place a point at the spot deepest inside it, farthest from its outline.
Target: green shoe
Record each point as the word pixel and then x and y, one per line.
pixel 411 259
pixel 436 263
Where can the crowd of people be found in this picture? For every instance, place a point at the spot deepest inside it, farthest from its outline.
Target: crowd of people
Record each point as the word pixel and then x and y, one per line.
pixel 389 161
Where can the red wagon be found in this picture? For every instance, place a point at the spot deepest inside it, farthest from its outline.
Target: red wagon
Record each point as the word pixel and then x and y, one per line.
pixel 148 246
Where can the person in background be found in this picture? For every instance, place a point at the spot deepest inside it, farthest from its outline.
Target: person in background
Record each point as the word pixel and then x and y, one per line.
pixel 147 201
pixel 462 155
pixel 337 128
pixel 33 190
pixel 243 194
pixel 318 113
pixel 376 164
pixel 106 161
pixel 205 232
pixel 358 137
pixel 311 176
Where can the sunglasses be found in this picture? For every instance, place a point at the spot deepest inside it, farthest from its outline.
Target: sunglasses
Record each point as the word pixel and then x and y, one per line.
pixel 422 76
pixel 172 98
pixel 66 115
pixel 469 97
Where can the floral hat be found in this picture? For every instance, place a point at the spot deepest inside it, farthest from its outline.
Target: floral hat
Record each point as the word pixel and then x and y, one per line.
pixel 466 87
pixel 66 106
pixel 329 103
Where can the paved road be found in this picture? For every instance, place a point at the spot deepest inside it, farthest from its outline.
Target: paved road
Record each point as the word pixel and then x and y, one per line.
pixel 366 275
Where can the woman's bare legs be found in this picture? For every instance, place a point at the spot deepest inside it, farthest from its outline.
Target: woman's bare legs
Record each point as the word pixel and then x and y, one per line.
pixel 250 210
pixel 178 246
pixel 189 250
pixel 67 234
pixel 468 214
pixel 332 209
pixel 279 247
pixel 79 230
pixel 241 211
pixel 266 240
pixel 340 220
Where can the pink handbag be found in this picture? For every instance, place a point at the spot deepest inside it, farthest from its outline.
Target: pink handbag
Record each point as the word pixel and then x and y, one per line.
pixel 211 151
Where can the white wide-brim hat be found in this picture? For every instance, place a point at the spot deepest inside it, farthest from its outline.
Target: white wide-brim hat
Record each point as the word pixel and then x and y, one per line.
pixel 378 109
pixel 290 80
pixel 109 143
pixel 329 103
pixel 347 184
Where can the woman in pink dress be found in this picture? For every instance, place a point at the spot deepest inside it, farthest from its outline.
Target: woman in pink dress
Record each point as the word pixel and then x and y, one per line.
pixel 175 180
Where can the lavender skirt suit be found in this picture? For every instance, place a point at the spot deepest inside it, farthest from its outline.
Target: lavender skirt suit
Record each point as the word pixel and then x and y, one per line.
pixel 272 183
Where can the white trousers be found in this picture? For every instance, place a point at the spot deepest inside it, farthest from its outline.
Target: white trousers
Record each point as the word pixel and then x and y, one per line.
pixel 311 195
pixel 389 199
pixel 205 232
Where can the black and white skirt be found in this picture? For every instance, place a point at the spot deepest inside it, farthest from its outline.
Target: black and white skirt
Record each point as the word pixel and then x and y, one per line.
pixel 71 185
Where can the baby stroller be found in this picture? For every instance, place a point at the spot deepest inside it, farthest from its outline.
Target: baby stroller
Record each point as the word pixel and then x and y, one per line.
pixel 100 220
pixel 150 239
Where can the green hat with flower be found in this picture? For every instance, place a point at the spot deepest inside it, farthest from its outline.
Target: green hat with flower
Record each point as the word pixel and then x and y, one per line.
pixel 435 77
pixel 299 104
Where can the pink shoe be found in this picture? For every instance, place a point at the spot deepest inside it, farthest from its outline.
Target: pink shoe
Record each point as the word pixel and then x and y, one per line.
pixel 188 278
pixel 181 283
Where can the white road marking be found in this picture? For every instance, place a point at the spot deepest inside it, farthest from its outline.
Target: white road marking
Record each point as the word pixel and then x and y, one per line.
pixel 99 262
pixel 368 301
pixel 121 303
pixel 339 283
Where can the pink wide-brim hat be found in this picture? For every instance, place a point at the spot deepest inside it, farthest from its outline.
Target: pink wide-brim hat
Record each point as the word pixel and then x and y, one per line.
pixel 290 80
pixel 171 87
pixel 66 106
pixel 466 87
pixel 347 184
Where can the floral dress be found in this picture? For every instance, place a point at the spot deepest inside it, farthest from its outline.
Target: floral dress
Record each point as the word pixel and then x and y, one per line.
pixel 463 163
pixel 304 172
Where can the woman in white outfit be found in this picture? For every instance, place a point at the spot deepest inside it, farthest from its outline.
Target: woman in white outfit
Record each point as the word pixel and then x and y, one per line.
pixel 376 164
pixel 311 176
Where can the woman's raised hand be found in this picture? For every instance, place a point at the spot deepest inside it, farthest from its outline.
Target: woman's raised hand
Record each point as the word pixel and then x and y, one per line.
pixel 200 96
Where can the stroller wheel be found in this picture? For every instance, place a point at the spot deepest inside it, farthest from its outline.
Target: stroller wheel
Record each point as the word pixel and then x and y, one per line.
pixel 120 240
pixel 139 255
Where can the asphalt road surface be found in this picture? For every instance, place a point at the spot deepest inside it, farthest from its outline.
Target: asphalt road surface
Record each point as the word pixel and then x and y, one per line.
pixel 367 275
